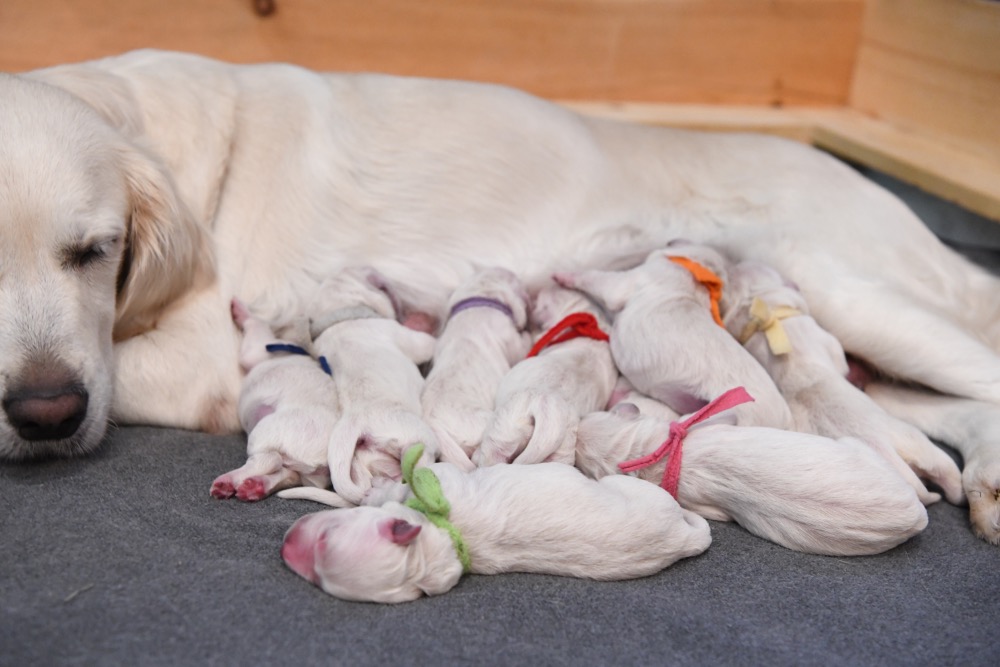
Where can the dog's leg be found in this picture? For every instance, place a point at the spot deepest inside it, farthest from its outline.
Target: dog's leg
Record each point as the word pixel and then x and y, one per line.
pixel 259 477
pixel 971 427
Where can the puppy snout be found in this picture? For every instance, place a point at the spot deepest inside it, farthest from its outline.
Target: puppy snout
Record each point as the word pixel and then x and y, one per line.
pixel 298 551
pixel 49 403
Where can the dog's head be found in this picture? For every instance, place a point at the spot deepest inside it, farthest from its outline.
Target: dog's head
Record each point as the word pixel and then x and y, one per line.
pixel 501 285
pixel 372 554
pixel 93 243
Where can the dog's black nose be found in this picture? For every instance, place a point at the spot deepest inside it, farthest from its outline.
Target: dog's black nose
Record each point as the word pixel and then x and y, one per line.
pixel 46 413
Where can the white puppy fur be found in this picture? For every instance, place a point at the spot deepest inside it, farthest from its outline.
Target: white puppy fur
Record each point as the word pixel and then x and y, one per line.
pixel 374 362
pixel 546 518
pixel 812 376
pixel 474 351
pixel 288 407
pixel 972 427
pixel 666 343
pixel 142 192
pixel 799 490
pixel 541 399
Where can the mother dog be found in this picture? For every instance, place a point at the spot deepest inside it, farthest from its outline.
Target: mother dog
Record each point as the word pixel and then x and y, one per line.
pixel 139 194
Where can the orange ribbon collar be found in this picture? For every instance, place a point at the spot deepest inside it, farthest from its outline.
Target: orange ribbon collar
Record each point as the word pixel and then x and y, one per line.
pixel 708 279
pixel 572 326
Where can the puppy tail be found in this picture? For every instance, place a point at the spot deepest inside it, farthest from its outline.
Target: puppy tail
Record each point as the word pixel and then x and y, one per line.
pixel 554 435
pixel 324 496
pixel 529 429
pixel 348 480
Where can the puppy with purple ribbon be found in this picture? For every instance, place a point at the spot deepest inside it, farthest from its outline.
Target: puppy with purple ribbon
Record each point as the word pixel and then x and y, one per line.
pixel 771 318
pixel 288 407
pixel 483 337
pixel 568 373
pixel 374 360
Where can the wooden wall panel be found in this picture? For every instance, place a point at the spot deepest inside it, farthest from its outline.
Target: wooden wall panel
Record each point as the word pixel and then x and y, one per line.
pixel 760 52
pixel 933 67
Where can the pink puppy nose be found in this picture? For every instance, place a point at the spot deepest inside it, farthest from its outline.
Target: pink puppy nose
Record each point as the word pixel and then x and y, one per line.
pixel 299 551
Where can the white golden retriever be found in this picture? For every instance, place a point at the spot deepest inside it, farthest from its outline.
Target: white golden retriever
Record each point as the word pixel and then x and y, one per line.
pixel 140 193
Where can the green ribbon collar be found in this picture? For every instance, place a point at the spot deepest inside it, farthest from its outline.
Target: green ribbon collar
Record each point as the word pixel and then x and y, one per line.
pixel 429 500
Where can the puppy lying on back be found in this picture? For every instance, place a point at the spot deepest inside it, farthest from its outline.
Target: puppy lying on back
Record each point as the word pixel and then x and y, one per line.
pixel 810 367
pixel 547 518
pixel 483 337
pixel 288 407
pixel 802 491
pixel 667 340
pixel 374 362
pixel 541 399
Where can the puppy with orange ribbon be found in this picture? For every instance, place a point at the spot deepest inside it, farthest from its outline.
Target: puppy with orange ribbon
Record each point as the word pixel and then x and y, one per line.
pixel 668 339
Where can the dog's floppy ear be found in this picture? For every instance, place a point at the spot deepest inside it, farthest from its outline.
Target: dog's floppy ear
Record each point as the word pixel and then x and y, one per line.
pixel 167 253
pixel 399 531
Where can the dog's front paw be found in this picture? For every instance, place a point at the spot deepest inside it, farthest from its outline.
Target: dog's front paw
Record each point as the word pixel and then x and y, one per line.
pixel 223 487
pixel 982 488
pixel 252 489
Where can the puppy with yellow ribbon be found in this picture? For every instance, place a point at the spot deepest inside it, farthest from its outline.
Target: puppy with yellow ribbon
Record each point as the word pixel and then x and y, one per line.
pixel 808 364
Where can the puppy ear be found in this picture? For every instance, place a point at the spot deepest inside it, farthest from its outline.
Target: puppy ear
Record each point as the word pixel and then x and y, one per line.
pixel 166 252
pixel 625 410
pixel 399 531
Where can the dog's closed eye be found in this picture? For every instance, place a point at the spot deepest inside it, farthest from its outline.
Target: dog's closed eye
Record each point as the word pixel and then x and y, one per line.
pixel 82 255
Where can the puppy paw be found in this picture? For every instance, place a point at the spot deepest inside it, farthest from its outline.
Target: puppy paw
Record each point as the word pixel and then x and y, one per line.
pixel 223 488
pixel 982 489
pixel 252 489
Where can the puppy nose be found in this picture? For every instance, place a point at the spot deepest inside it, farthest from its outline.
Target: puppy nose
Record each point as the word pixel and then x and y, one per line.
pixel 48 404
pixel 298 552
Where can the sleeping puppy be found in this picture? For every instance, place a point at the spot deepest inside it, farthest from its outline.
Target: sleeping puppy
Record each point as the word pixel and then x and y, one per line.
pixel 483 337
pixel 810 368
pixel 288 407
pixel 547 518
pixel 374 362
pixel 666 340
pixel 541 399
pixel 802 491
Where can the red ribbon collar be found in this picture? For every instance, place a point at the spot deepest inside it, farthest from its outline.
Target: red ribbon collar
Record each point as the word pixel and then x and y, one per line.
pixel 678 430
pixel 574 325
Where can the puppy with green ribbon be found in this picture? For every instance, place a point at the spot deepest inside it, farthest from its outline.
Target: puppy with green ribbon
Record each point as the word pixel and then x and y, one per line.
pixel 441 523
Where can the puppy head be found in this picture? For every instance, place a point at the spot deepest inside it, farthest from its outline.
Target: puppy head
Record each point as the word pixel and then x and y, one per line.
pixel 76 200
pixel 501 285
pixel 553 303
pixel 705 255
pixel 372 554
pixel 749 280
pixel 352 287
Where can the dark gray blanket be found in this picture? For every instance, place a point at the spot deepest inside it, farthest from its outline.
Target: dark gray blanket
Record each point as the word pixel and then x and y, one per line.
pixel 123 558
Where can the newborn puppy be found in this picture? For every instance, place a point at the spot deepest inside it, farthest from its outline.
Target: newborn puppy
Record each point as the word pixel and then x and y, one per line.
pixel 666 340
pixel 288 407
pixel 547 518
pixel 810 367
pixel 802 491
pixel 541 399
pixel 483 337
pixel 374 362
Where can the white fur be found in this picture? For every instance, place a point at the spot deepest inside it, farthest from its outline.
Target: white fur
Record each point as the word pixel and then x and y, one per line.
pixel 374 362
pixel 258 181
pixel 972 427
pixel 802 491
pixel 541 399
pixel 288 407
pixel 813 379
pixel 665 342
pixel 474 351
pixel 547 518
